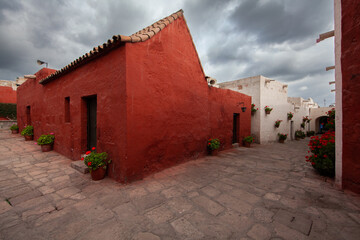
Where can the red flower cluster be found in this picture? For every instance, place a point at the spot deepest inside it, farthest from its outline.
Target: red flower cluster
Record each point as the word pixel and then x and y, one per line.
pixel 322 153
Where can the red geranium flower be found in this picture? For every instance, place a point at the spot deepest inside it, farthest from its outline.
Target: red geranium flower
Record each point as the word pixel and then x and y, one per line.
pixel 89 163
pixel 82 159
pixel 88 152
pixel 93 148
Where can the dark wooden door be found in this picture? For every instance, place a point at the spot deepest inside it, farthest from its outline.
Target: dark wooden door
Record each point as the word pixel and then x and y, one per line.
pixel 91 122
pixel 235 128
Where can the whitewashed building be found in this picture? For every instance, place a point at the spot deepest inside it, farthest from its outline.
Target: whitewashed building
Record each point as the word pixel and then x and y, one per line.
pixel 274 94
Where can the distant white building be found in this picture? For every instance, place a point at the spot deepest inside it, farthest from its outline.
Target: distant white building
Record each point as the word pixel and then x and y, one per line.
pixel 274 94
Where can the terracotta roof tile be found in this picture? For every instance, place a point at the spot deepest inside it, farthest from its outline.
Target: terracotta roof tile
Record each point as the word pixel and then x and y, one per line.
pixel 114 42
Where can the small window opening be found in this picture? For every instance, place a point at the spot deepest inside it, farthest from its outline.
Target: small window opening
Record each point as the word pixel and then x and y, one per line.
pixel 67 109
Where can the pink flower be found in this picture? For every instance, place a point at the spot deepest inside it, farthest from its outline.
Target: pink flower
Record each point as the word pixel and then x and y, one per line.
pixel 35 143
pixel 52 133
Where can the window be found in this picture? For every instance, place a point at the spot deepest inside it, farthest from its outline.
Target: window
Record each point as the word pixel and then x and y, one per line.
pixel 67 109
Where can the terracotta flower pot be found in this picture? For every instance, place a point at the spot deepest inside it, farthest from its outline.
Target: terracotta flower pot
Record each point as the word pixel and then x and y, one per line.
pixel 15 131
pixel 247 144
pixel 281 140
pixel 29 137
pixel 267 112
pixel 98 174
pixel 46 147
pixel 214 152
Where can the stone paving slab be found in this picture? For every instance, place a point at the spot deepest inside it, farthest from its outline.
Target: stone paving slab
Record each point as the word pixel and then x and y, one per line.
pixel 262 192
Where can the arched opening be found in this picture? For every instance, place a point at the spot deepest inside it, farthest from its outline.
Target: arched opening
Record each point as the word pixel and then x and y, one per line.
pixel 320 124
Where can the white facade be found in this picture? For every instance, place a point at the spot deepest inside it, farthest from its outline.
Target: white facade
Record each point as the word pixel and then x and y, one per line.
pixel 268 92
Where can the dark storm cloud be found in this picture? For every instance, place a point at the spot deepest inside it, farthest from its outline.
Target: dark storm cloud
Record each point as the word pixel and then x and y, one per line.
pixel 278 21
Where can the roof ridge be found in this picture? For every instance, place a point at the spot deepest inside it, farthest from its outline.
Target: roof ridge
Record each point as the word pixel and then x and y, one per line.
pixel 140 36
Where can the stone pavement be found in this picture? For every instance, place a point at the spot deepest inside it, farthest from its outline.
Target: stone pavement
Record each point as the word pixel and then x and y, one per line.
pixel 265 192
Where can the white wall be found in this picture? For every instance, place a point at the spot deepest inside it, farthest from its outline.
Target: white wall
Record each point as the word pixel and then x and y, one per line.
pixel 315 114
pixel 267 92
pixel 338 95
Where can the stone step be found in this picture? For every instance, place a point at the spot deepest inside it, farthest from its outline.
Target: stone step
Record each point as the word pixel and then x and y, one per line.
pixel 80 166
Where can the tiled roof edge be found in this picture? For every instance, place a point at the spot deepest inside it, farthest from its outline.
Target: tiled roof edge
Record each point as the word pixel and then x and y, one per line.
pixel 116 41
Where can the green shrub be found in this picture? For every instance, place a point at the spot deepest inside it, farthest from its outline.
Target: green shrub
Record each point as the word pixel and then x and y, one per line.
pixel 46 139
pixel 248 139
pixel 14 127
pixel 8 110
pixel 299 134
pixel 213 143
pixel 28 131
pixel 310 133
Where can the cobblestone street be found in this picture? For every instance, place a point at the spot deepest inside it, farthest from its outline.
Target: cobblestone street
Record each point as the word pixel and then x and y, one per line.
pixel 265 192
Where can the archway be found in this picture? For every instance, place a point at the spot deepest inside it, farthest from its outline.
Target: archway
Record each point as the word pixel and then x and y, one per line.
pixel 320 124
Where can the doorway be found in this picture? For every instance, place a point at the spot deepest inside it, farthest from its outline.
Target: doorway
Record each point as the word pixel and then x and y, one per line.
pixel 28 116
pixel 236 122
pixel 91 105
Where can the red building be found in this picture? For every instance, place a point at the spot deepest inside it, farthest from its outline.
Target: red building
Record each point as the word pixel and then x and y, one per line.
pixel 347 73
pixel 7 93
pixel 142 98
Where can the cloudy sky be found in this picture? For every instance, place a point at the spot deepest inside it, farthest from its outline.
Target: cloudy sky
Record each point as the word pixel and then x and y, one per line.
pixel 234 38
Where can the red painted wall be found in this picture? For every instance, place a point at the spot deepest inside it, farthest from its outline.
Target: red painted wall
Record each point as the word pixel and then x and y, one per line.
pixel 171 111
pixel 155 108
pixel 7 95
pixel 104 77
pixel 350 67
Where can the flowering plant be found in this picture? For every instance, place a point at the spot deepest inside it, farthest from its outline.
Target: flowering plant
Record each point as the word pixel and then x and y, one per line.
pixel 46 139
pixel 282 136
pixel 331 120
pixel 253 109
pixel 306 119
pixel 277 123
pixel 248 139
pixel 322 153
pixel 95 160
pixel 28 131
pixel 213 143
pixel 14 127
pixel 268 109
pixel 290 115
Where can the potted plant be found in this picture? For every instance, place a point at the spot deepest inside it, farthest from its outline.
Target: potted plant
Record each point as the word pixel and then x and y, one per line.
pixel 290 115
pixel 277 123
pixel 46 141
pixel 213 146
pixel 97 163
pixel 310 133
pixel 298 134
pixel 268 109
pixel 306 119
pixel 28 133
pixel 253 109
pixel 14 129
pixel 282 137
pixel 247 141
